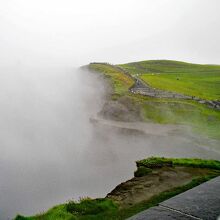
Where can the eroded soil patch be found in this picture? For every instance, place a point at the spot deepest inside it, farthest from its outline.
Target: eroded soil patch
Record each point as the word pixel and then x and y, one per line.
pixel 140 189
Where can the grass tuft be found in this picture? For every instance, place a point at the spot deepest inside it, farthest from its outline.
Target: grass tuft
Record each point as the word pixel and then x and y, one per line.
pixel 142 171
pixel 186 162
pixel 91 207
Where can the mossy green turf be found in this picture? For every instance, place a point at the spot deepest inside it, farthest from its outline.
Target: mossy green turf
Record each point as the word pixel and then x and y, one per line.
pixel 202 81
pixel 86 209
pixel 106 209
pixel 152 162
pixel 200 117
pixel 120 82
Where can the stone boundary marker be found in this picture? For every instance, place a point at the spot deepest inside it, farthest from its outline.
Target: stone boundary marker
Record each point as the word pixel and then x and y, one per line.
pixel 201 202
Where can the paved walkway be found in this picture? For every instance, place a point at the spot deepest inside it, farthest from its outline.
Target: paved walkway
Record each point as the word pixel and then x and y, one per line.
pixel 201 202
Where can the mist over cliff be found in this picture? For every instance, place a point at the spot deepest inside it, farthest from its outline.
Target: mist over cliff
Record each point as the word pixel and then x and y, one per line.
pixel 49 150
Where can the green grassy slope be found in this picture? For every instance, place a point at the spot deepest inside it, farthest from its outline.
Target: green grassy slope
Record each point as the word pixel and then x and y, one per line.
pixel 119 81
pixel 201 118
pixel 202 81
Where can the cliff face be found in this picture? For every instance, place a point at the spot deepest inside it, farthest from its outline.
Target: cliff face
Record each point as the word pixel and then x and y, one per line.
pixel 164 179
pixel 122 109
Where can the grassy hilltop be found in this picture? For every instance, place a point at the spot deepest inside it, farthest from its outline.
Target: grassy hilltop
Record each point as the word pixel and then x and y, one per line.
pixel 200 81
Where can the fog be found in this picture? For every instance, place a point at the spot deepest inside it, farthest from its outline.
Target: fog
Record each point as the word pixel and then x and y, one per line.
pixel 47 32
pixel 49 150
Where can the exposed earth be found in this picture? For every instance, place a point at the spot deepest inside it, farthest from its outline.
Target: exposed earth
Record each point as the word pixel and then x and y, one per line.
pixel 201 202
pixel 140 189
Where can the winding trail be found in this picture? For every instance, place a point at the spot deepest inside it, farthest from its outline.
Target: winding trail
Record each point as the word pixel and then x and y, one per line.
pixel 143 88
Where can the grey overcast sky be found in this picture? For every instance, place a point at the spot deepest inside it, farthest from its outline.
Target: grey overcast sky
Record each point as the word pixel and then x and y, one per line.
pixel 70 32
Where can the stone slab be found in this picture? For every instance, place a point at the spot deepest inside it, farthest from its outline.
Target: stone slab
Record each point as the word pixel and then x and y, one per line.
pixel 159 213
pixel 202 201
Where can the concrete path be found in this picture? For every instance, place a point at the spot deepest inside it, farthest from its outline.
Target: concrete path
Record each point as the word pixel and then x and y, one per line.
pixel 201 202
